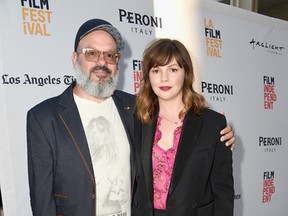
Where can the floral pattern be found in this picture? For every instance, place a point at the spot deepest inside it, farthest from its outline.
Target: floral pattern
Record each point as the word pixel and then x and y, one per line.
pixel 162 163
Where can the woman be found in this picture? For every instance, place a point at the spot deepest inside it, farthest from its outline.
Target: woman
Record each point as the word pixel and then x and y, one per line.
pixel 182 166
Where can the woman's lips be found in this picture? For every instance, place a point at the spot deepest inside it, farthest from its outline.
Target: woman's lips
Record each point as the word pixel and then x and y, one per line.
pixel 165 88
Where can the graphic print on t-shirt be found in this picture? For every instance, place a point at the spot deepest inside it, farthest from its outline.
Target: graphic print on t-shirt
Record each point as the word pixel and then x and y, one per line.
pixel 110 180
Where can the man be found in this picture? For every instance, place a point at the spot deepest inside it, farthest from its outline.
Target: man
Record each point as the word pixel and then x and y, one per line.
pixel 80 143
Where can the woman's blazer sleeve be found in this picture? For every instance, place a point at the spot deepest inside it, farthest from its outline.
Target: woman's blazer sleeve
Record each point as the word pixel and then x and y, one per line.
pixel 222 178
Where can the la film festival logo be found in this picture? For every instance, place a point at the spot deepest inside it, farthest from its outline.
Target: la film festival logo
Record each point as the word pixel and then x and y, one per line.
pixel 213 40
pixel 137 75
pixel 270 96
pixel 36 17
pixel 140 23
pixel 268 186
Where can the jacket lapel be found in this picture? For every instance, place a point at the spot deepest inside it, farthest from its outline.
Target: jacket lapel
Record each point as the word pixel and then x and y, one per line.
pixel 125 109
pixel 70 117
pixel 190 129
pixel 146 155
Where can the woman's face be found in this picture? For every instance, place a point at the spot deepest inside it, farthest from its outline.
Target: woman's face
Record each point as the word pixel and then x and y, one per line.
pixel 167 81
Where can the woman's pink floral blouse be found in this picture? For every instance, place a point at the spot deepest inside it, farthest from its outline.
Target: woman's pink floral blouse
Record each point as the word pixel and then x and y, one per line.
pixel 162 163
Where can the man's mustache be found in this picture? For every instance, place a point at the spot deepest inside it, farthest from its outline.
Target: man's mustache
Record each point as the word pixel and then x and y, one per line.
pixel 99 67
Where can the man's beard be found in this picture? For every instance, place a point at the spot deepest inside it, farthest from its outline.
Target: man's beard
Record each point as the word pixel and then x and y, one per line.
pixel 99 89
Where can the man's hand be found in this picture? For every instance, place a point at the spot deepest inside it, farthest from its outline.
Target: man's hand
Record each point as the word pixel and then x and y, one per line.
pixel 228 136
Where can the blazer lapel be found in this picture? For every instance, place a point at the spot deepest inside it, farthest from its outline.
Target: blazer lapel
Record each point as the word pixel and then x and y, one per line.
pixel 70 117
pixel 191 126
pixel 125 109
pixel 146 155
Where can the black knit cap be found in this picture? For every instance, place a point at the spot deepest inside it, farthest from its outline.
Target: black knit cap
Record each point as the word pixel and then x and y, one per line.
pixel 98 24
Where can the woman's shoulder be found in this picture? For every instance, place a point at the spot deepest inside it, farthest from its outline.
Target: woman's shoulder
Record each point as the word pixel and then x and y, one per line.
pixel 212 114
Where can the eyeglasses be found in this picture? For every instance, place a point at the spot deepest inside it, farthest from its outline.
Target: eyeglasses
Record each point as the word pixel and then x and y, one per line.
pixel 93 55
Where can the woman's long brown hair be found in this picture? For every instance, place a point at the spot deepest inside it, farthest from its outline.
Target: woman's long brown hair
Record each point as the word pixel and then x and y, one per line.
pixel 160 53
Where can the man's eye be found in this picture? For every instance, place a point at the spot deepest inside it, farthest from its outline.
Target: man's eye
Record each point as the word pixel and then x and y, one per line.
pixel 91 53
pixel 110 55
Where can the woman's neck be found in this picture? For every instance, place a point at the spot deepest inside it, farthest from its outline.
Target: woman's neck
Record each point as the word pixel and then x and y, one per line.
pixel 170 108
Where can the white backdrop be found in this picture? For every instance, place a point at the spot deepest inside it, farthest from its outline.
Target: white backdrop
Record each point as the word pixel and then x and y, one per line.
pixel 240 60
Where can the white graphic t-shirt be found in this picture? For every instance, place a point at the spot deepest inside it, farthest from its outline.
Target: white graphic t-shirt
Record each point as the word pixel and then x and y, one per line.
pixel 110 153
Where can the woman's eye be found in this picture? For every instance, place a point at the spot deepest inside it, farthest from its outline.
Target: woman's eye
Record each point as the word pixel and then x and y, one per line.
pixel 154 71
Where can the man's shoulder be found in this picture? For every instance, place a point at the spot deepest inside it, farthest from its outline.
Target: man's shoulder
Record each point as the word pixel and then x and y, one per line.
pixel 45 104
pixel 51 103
pixel 122 94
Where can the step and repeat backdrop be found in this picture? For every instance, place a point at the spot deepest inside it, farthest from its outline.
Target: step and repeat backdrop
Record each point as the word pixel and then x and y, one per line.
pixel 240 59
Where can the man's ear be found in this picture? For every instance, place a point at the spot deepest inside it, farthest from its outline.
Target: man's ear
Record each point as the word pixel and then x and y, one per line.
pixel 74 57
